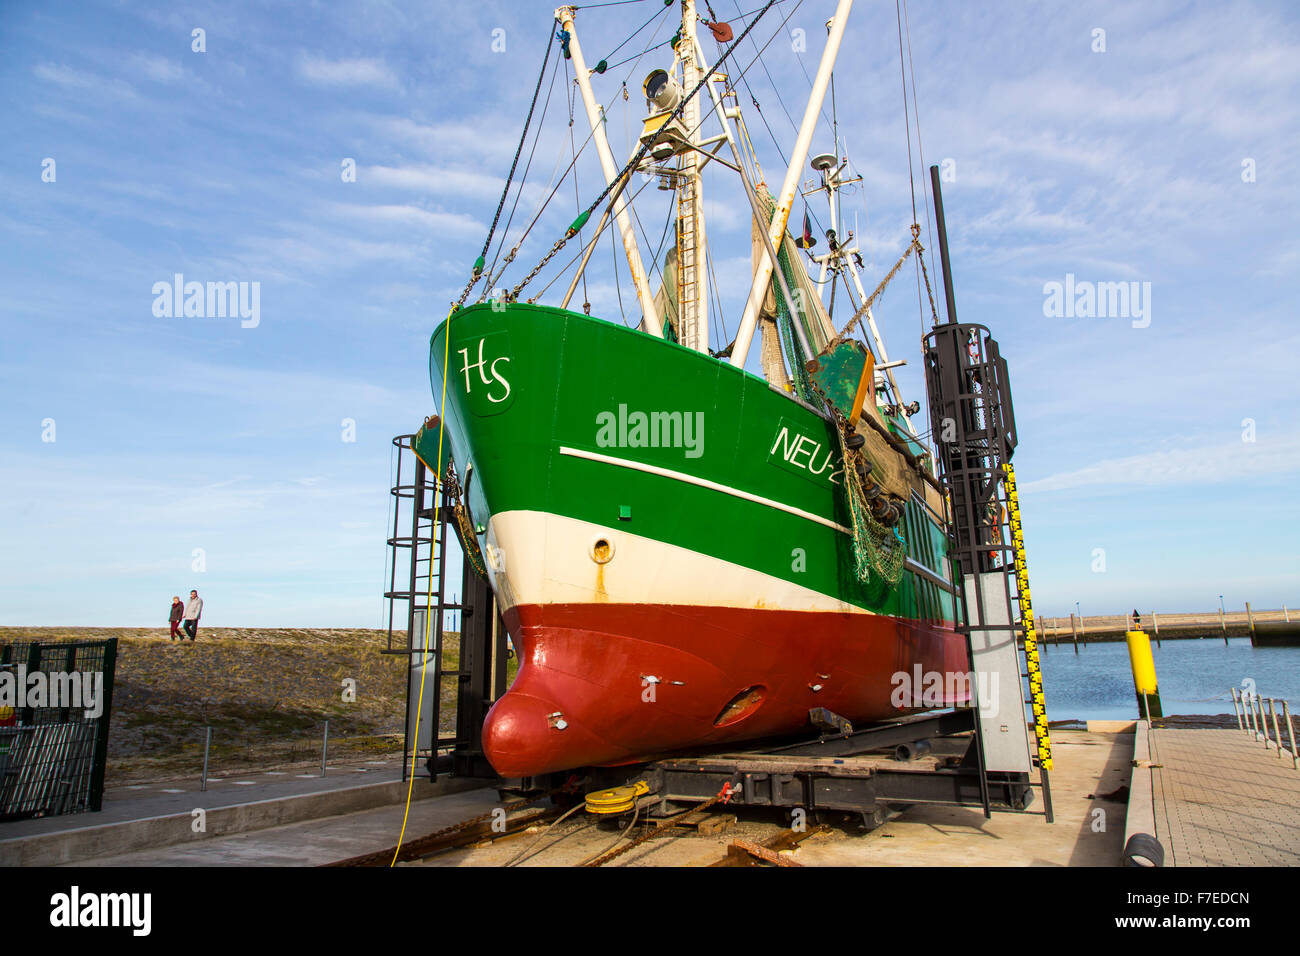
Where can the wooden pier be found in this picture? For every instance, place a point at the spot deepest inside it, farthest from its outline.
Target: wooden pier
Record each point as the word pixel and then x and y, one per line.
pixel 1222 798
pixel 1272 627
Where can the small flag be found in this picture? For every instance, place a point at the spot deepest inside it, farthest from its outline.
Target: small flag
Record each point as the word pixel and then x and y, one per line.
pixel 807 240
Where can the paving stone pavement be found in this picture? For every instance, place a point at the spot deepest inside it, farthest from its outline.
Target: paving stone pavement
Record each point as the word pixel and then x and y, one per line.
pixel 1223 799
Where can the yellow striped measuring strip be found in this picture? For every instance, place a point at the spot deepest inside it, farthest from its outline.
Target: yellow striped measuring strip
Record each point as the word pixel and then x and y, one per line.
pixel 1037 701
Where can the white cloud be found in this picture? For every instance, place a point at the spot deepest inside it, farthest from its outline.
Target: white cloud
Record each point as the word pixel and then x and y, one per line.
pixel 158 68
pixel 356 72
pixel 444 222
pixel 78 80
pixel 439 180
pixel 448 138
pixel 1206 465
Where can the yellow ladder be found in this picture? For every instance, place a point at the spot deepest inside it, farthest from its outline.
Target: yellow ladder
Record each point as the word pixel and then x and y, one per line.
pixel 1034 671
pixel 688 265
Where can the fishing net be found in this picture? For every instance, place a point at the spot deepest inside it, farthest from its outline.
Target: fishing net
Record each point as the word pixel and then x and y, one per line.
pixel 875 546
pixel 815 324
pixel 877 549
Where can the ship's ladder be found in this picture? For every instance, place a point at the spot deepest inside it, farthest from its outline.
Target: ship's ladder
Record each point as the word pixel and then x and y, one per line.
pixel 1033 670
pixel 688 266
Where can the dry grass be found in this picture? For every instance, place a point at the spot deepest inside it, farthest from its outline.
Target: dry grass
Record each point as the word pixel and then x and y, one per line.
pixel 265 692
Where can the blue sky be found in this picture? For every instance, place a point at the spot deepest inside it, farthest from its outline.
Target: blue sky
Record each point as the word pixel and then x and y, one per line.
pixel 175 433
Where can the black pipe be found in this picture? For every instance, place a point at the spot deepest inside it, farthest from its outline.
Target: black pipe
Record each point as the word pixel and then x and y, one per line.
pixel 943 244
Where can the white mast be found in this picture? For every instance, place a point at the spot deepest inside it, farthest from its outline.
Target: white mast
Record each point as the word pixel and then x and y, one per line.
pixel 749 320
pixel 840 259
pixel 649 317
pixel 724 120
pixel 692 279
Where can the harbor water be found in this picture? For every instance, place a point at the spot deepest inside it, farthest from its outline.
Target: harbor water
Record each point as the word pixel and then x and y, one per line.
pixel 1194 675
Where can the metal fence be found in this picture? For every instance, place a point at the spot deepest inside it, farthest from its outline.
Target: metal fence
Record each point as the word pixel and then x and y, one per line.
pixel 1253 713
pixel 55 701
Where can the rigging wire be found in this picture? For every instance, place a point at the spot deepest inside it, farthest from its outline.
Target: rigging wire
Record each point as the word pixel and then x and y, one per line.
pixel 720 322
pixel 630 37
pixel 802 67
pixel 487 243
pixel 766 72
pixel 759 109
pixel 685 101
pixel 611 3
pixel 613 248
pixel 577 196
pixel 636 815
pixel 527 167
pixel 641 54
pixel 907 123
pixel 916 113
pixel 663 239
pixel 925 186
pixel 578 255
pixel 554 186
pixel 645 148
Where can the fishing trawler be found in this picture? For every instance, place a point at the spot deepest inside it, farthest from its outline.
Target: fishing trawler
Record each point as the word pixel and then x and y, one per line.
pixel 687 553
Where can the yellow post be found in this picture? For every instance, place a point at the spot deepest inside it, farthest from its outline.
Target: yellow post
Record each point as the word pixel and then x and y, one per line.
pixel 1144 674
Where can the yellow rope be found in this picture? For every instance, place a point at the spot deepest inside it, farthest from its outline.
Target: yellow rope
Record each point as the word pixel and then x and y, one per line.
pixel 428 605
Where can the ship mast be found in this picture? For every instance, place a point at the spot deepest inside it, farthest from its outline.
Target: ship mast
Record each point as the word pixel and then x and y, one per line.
pixel 692 280
pixel 785 200
pixel 841 259
pixel 649 315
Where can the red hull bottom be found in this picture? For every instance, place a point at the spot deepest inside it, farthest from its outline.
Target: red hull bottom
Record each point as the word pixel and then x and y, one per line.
pixel 608 684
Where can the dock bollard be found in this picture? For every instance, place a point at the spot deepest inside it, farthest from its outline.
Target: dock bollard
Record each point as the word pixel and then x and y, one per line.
pixel 1290 731
pixel 207 745
pixel 1277 732
pixel 1144 674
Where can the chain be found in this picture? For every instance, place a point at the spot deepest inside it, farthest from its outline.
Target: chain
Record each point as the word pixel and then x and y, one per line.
pixel 460 510
pixel 915 246
pixel 559 244
pixel 523 138
pixel 505 264
pixel 723 795
pixel 635 161
pixel 413 848
pixel 934 312
pixel 481 818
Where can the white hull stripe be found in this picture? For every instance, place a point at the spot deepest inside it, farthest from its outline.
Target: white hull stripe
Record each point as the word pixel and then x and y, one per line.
pixel 702 483
pixel 534 557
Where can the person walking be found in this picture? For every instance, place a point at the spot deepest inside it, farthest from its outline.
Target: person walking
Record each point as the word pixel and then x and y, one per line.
pixel 193 611
pixel 178 612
